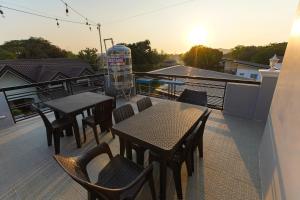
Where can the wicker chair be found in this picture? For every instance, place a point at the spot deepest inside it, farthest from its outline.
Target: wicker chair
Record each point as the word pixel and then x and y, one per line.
pixel 54 128
pixel 175 163
pixel 195 140
pixel 119 179
pixel 144 103
pixel 121 114
pixel 102 116
pixel 193 97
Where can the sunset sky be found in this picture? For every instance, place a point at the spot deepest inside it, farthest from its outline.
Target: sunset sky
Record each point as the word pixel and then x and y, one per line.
pixel 171 25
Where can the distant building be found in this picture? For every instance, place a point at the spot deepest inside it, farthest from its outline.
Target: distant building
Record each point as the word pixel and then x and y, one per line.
pixel 246 69
pixel 27 71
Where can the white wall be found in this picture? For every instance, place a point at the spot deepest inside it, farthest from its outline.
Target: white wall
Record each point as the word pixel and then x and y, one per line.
pixel 279 154
pixel 247 71
pixel 9 79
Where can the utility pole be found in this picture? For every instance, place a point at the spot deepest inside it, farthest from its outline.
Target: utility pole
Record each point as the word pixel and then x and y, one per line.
pixel 101 49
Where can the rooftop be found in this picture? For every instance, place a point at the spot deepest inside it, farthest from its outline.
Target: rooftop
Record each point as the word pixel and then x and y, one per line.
pixel 181 70
pixel 229 169
pixel 41 70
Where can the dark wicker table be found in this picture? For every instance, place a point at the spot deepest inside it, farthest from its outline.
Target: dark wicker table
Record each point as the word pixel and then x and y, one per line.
pixel 75 104
pixel 160 128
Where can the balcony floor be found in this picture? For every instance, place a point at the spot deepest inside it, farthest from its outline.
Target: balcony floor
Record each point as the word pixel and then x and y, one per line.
pixel 229 169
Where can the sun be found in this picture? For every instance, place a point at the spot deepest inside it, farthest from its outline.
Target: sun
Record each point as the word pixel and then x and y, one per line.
pixel 198 36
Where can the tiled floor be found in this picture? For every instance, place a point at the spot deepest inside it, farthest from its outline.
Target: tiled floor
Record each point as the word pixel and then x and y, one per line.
pixel 229 169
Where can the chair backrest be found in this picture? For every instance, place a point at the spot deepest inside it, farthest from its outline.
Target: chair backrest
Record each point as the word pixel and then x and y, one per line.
pixel 123 113
pixel 193 139
pixel 193 97
pixel 78 173
pixel 144 103
pixel 103 111
pixel 44 118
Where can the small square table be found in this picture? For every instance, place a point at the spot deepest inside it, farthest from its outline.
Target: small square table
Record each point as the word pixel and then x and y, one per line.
pixel 72 105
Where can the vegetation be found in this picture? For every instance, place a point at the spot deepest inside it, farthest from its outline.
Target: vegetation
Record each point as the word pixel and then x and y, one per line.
pixel 90 56
pixel 144 58
pixel 32 48
pixel 203 57
pixel 257 54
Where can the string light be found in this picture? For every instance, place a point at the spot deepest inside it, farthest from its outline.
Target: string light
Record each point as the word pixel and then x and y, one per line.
pixel 78 13
pixel 67 10
pixel 1 12
pixel 57 23
pixel 46 16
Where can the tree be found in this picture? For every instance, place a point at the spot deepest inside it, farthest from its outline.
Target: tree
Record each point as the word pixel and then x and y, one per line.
pixel 203 57
pixel 257 54
pixel 90 56
pixel 144 58
pixel 32 48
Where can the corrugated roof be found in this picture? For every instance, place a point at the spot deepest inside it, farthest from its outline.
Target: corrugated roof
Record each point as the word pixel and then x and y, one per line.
pixel 192 71
pixel 40 70
pixel 252 64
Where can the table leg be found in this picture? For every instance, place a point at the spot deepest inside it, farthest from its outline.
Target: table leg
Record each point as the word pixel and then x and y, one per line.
pixel 76 131
pixel 128 150
pixel 163 178
pixel 57 116
pixel 122 146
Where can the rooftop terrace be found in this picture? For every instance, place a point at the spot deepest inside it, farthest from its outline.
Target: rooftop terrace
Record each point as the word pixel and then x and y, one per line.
pixel 229 169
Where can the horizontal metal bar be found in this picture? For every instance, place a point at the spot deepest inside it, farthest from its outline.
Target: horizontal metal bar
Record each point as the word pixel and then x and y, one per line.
pixel 50 82
pixel 149 74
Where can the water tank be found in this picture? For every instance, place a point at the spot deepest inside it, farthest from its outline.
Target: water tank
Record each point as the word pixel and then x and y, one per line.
pixel 119 64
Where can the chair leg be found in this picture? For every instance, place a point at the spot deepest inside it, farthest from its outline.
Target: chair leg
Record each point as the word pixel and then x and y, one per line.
pixel 91 196
pixel 49 137
pixel 200 148
pixel 152 187
pixel 192 161
pixel 177 179
pixel 140 157
pixel 56 142
pixel 114 136
pixel 96 134
pixel 84 133
pixel 188 164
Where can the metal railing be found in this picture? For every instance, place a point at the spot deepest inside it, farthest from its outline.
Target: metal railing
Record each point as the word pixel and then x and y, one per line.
pixel 171 86
pixel 20 98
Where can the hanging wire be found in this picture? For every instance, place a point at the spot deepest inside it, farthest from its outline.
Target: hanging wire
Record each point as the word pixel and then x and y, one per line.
pixel 148 12
pixel 78 13
pixel 46 16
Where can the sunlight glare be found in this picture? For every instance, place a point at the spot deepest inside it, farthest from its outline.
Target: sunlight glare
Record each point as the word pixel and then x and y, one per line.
pixel 296 28
pixel 198 36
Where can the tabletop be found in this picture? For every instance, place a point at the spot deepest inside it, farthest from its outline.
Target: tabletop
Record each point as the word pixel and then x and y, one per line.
pixel 74 103
pixel 162 126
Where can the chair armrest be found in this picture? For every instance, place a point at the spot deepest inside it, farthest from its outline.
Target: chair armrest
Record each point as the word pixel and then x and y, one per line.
pixel 94 152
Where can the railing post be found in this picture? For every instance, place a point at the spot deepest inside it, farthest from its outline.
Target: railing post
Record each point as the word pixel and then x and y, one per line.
pixel 224 93
pixel 13 116
pixel 69 86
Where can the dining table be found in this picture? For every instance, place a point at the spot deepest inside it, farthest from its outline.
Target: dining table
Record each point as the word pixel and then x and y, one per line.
pixel 72 105
pixel 161 128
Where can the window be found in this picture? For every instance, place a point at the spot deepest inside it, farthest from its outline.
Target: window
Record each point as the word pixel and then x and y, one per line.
pixel 254 76
pixel 242 74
